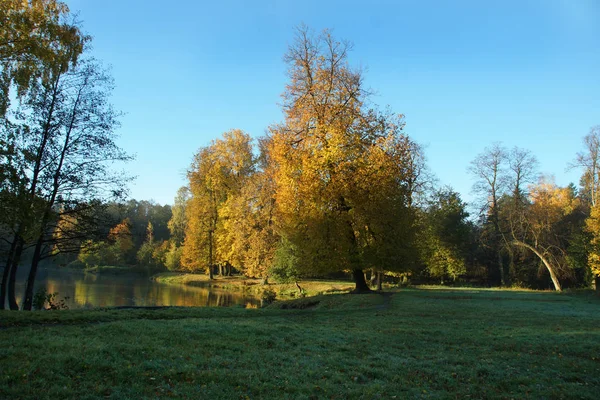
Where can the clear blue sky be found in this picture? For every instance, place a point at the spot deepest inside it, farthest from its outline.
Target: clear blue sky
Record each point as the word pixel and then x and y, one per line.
pixel 465 74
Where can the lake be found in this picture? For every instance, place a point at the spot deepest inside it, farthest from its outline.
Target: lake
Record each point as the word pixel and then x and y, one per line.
pixel 86 290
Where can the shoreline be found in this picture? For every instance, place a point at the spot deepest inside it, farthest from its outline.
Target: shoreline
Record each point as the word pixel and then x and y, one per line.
pixel 254 285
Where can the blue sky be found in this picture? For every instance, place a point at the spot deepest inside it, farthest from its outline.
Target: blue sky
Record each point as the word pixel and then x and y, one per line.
pixel 466 74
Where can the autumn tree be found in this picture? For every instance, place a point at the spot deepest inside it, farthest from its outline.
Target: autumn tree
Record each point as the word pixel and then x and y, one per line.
pixel 538 229
pixel 116 248
pixel 218 173
pixel 589 161
pixel 120 237
pixel 34 34
pixel 340 168
pixel 250 221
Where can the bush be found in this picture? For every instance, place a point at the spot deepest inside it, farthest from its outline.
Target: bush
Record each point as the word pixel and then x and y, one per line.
pixel 41 297
pixel 268 296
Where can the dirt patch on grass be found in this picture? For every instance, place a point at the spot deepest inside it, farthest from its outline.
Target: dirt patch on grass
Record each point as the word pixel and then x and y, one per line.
pixel 299 305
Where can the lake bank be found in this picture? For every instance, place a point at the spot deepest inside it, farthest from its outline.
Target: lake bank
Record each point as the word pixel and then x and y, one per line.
pixel 82 289
pixel 254 285
pixel 411 343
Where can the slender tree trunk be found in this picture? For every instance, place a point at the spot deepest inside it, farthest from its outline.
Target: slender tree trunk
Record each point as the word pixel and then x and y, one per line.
pixel 221 269
pixel 28 298
pixel 299 288
pixel 360 282
pixel 511 266
pixel 373 277
pixel 597 280
pixel 6 273
pixel 546 263
pixel 12 298
pixel 379 281
pixel 501 268
pixel 210 255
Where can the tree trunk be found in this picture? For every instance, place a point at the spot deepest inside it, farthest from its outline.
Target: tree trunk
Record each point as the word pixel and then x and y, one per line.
pixel 501 268
pixel 28 298
pixel 511 266
pixel 597 280
pixel 6 273
pixel 221 269
pixel 210 256
pixel 12 298
pixel 360 282
pixel 300 292
pixel 379 281
pixel 546 263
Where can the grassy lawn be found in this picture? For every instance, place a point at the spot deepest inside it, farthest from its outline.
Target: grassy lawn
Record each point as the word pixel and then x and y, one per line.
pixel 414 343
pixel 254 286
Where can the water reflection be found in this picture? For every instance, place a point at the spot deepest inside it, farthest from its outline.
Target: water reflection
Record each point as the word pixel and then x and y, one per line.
pixel 91 290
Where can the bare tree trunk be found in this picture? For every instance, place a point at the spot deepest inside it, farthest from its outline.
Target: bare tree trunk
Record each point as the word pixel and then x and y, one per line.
pixel 299 288
pixel 546 263
pixel 379 281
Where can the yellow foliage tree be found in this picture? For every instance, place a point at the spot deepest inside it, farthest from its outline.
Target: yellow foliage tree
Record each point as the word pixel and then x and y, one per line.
pixel 340 169
pixel 589 161
pixel 593 226
pixel 217 175
pixel 34 33
pixel 536 226
pixel 250 226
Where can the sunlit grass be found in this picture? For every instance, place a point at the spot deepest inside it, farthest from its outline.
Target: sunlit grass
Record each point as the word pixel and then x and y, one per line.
pixel 254 286
pixel 415 343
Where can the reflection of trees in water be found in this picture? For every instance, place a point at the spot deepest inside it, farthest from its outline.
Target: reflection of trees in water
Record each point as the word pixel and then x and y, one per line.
pixel 90 290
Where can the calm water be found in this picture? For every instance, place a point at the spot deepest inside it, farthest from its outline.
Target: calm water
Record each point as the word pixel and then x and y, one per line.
pixel 91 290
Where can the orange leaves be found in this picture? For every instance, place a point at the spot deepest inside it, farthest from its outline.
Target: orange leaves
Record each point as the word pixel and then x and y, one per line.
pixel 121 235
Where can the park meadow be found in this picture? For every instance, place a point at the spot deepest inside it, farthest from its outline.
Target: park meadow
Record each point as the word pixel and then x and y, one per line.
pixel 433 343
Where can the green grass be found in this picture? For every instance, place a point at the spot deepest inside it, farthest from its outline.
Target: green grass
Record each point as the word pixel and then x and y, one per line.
pixel 414 343
pixel 254 286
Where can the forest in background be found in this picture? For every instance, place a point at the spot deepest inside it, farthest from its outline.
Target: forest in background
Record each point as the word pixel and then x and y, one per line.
pixel 337 187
